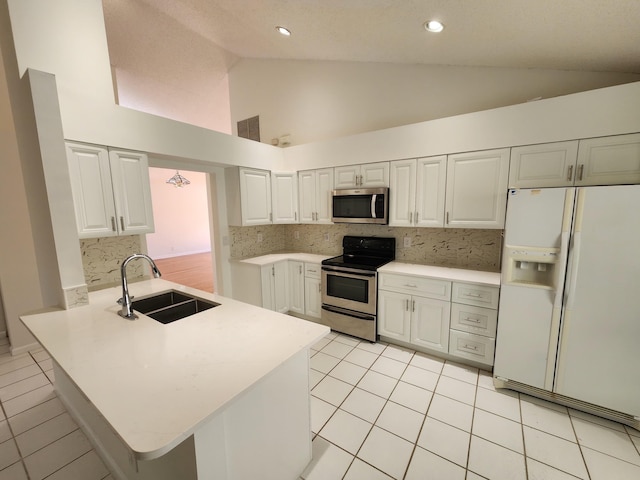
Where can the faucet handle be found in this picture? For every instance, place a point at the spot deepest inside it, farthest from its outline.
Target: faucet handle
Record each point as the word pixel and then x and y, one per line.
pixel 121 300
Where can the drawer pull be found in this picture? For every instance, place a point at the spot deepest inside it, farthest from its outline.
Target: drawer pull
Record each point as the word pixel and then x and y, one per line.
pixel 311 271
pixel 474 295
pixel 469 319
pixel 411 285
pixel 471 347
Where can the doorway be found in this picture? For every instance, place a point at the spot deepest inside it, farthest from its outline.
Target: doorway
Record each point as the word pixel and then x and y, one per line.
pixel 181 244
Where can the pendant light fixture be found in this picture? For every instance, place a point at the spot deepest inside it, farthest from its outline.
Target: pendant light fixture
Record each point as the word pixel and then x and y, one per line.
pixel 178 180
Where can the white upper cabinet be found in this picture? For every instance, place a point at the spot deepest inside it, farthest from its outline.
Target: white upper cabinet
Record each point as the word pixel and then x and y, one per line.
pixel 132 191
pixel 594 161
pixel 609 160
pixel 111 191
pixel 417 192
pixel 545 165
pixel 402 193
pixel 248 196
pixel 284 197
pixel 315 195
pixel 255 196
pixel 431 181
pixel 368 175
pixel 476 194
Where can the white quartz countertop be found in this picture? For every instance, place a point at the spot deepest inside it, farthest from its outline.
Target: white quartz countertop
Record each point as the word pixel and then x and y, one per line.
pixel 442 273
pixel 277 257
pixel 156 384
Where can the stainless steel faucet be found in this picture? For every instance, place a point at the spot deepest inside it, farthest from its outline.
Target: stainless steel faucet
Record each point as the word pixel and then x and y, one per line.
pixel 125 301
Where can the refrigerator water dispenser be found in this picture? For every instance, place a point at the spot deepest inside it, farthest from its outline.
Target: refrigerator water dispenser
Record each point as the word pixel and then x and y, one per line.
pixel 530 266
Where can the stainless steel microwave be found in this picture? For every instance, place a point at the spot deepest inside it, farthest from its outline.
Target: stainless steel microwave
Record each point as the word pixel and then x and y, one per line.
pixel 361 205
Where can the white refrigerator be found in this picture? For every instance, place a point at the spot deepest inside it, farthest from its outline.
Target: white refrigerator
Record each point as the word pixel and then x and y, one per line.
pixel 569 314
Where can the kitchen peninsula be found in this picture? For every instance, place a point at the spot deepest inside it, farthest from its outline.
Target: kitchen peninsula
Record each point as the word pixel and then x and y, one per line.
pixel 220 394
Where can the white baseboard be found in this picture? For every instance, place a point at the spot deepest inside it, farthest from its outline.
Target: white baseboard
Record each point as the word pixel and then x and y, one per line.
pixel 25 348
pixel 180 254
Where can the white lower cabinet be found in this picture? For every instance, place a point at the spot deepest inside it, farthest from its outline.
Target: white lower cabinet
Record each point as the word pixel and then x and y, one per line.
pixel 414 310
pixel 312 290
pixel 440 316
pixel 275 286
pixel 286 286
pixel 430 323
pixel 394 318
pixel 296 286
pixel 304 288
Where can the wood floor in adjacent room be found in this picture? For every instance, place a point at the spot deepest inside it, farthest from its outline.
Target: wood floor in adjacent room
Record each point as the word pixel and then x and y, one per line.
pixel 194 271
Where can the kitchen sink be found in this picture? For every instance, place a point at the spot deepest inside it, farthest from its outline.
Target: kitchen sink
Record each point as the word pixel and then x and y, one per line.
pixel 170 306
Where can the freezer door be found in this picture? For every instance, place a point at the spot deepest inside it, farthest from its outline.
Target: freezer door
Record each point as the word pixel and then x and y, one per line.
pixel 599 354
pixel 525 326
pixel 529 311
pixel 535 216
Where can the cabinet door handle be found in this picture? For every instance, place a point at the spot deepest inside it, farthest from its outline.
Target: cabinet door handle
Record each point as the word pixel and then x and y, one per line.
pixel 300 269
pixel 273 271
pixel 113 223
pixel 570 173
pixel 406 305
pixel 320 287
pixel 122 223
pixel 295 216
pixel 580 171
pixel 271 217
pixel 413 305
pixel 416 218
pixel 447 220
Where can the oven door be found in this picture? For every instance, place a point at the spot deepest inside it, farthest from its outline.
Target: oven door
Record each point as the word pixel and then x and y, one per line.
pixel 349 289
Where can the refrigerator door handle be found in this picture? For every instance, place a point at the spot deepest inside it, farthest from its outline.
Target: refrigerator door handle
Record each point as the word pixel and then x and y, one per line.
pixel 573 272
pixel 575 250
pixel 560 270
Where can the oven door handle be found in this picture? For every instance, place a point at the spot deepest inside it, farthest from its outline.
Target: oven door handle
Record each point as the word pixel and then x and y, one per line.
pixel 373 205
pixel 349 273
pixel 349 313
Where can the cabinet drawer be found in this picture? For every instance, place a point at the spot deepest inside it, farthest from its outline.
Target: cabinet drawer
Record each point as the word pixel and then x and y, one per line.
pixel 479 295
pixel 312 270
pixel 473 347
pixel 479 320
pixel 425 287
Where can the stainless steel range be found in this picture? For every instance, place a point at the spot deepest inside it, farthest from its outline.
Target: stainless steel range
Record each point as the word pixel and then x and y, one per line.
pixel 349 285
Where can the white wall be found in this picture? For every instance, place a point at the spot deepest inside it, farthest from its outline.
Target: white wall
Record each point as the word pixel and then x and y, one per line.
pixel 315 101
pixel 165 68
pixel 180 215
pixel 602 112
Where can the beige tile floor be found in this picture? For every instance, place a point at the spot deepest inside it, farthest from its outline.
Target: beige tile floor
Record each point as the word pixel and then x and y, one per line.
pixel 38 438
pixel 378 412
pixel 382 412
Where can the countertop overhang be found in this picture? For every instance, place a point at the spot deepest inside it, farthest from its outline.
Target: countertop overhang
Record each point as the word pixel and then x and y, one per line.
pixel 156 384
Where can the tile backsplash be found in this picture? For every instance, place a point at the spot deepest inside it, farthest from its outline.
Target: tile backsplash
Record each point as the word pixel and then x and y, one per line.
pixel 459 248
pixel 102 257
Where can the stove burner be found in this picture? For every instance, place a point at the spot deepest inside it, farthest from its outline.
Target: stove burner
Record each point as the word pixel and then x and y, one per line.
pixel 364 253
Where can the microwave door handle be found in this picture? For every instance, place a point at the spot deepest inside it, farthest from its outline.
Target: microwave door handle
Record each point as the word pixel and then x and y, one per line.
pixel 373 205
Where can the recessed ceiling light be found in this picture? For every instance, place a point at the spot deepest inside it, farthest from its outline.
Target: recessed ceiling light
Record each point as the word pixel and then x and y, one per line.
pixel 283 31
pixel 433 26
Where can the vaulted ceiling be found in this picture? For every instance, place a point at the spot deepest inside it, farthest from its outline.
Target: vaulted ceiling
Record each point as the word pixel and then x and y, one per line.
pixel 584 35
